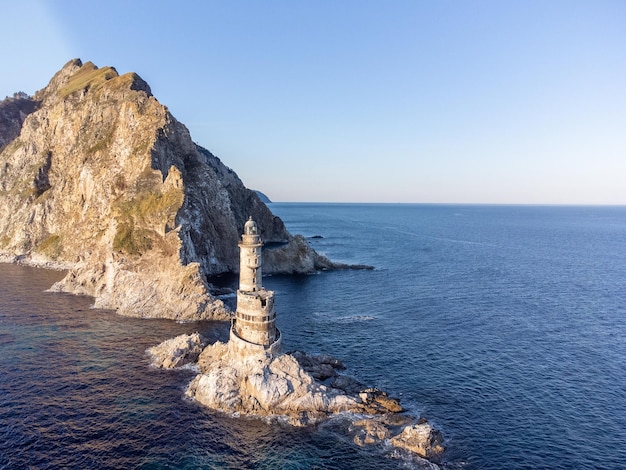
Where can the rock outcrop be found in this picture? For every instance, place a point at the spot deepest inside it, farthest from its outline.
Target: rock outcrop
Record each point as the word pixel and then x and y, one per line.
pixel 419 438
pixel 296 388
pixel 97 176
pixel 277 387
pixel 422 439
pixel 177 352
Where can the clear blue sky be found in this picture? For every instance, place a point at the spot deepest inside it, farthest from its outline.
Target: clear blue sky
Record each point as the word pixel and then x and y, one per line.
pixel 499 101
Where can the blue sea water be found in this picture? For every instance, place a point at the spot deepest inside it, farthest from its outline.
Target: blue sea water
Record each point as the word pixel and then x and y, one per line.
pixel 505 326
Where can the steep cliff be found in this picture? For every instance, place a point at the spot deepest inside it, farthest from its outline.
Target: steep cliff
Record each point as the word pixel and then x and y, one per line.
pixel 97 176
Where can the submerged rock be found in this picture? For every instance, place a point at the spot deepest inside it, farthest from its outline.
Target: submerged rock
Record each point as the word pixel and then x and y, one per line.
pixel 370 432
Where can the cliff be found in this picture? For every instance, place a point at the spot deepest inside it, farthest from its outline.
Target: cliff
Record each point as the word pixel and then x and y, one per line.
pixel 98 177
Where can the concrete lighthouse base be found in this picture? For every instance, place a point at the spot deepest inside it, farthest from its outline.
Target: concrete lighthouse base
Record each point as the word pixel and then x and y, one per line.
pixel 239 348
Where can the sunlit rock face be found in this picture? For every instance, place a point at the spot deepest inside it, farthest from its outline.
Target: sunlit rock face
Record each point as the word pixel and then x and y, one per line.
pixel 98 177
pixel 177 352
pixel 281 386
pixel 421 439
pixel 295 388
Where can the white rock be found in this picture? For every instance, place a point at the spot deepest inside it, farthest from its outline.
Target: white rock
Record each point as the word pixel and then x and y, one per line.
pixel 279 387
pixel 176 352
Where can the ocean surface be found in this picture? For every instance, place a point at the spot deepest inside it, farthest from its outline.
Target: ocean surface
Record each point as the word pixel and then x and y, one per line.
pixel 504 326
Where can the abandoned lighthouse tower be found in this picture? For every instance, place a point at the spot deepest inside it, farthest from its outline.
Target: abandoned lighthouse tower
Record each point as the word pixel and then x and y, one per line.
pixel 253 329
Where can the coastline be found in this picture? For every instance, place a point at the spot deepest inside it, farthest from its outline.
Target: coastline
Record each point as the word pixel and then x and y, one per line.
pixel 43 263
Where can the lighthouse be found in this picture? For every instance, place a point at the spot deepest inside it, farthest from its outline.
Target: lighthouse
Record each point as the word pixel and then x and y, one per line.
pixel 253 330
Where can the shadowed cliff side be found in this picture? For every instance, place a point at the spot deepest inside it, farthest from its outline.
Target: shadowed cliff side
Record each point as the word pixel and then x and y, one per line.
pixel 13 112
pixel 97 176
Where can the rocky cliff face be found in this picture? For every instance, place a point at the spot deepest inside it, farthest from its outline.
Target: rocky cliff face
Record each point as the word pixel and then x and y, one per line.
pixel 97 176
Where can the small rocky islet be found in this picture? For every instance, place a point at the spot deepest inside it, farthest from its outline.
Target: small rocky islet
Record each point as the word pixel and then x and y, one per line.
pixel 295 388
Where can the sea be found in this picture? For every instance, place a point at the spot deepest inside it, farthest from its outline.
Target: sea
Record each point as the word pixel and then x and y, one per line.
pixel 503 326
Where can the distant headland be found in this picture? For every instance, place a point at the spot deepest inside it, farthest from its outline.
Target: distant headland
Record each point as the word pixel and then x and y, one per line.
pixel 263 197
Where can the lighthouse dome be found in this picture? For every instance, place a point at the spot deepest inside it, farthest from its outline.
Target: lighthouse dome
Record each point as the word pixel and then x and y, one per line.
pixel 250 227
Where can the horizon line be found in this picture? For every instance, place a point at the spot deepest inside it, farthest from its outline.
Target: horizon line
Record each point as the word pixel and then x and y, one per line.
pixel 539 204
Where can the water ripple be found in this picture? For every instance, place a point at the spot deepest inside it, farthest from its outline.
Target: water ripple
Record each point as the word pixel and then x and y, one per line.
pixel 513 344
